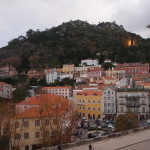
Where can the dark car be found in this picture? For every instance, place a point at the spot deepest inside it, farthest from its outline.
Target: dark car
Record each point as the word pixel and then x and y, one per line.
pixel 105 133
pixel 91 135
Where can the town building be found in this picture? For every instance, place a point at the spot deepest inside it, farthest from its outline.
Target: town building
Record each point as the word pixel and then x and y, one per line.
pixel 135 100
pixel 5 90
pixel 133 69
pixel 89 104
pixel 89 62
pixel 66 75
pixel 64 91
pixel 35 124
pixel 68 68
pixel 116 72
pixel 51 76
pixel 95 72
pixel 109 103
pixel 8 72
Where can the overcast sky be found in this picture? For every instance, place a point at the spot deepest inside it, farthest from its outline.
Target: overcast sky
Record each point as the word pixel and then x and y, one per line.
pixel 17 16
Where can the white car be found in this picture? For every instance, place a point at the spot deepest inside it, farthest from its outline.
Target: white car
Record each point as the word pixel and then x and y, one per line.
pixel 148 121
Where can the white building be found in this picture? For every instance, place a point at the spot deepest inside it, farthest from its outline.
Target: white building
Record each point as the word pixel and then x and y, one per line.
pixel 66 75
pixel 89 62
pixel 109 101
pixel 135 100
pixel 52 76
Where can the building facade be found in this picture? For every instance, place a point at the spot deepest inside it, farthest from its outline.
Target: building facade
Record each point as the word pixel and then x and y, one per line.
pixel 5 90
pixel 65 92
pixel 135 100
pixel 109 103
pixel 89 104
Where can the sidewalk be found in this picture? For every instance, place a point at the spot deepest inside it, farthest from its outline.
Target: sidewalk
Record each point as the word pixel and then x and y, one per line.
pixel 115 143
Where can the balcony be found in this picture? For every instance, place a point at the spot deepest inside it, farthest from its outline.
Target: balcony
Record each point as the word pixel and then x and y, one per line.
pixel 122 103
pixel 143 104
pixel 133 104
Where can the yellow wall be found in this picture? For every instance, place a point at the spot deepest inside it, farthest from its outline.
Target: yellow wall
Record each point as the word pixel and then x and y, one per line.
pixel 68 68
pixel 78 99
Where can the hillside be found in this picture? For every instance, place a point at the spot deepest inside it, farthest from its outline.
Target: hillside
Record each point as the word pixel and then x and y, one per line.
pixel 72 41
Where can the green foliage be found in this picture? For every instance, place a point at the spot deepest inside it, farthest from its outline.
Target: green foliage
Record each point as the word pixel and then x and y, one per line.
pixel 19 94
pixel 63 82
pixel 126 121
pixel 107 66
pixel 73 41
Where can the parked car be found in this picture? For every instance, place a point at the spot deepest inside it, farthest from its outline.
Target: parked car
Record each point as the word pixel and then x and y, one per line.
pixel 103 125
pixel 85 127
pixel 91 135
pixel 105 133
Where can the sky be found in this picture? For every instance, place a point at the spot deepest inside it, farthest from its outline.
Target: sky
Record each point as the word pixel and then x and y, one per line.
pixel 18 16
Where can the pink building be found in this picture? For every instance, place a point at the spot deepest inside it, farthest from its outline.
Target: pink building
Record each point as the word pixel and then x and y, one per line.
pixel 36 74
pixel 8 71
pixel 5 90
pixel 135 68
pixel 96 72
pixel 65 92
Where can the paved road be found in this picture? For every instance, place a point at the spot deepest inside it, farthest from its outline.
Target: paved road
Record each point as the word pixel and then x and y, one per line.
pixel 133 141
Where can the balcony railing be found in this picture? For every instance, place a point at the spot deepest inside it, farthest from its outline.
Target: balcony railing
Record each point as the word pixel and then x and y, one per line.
pixel 122 103
pixel 133 104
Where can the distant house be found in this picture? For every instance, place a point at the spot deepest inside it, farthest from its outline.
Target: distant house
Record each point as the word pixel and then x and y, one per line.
pixel 89 62
pixel 65 92
pixel 134 69
pixel 8 72
pixel 68 68
pixel 5 90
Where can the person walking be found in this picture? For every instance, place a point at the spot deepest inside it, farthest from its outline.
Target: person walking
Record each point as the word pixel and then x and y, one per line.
pixel 59 147
pixel 90 147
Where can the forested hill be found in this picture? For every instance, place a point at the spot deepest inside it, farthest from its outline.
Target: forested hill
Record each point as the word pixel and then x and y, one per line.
pixel 72 41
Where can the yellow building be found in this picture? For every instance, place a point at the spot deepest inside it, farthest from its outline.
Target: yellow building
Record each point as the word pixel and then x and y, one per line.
pixel 68 68
pixel 89 104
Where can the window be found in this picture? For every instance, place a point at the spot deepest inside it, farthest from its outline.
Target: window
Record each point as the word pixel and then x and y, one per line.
pixel 109 111
pixel 26 124
pixel 17 124
pixel 37 122
pixel 27 147
pixel 88 108
pixel 112 104
pixel 143 109
pixel 26 135
pixel 122 110
pixel 93 108
pixel 93 101
pixel 105 104
pixel 98 102
pixel 108 92
pixel 108 104
pixel 88 101
pixel 46 122
pixel 98 109
pixel 83 101
pixel 37 134
pixel 17 136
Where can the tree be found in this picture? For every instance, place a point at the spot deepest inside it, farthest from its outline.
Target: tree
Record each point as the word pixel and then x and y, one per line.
pixel 11 125
pixel 20 93
pixel 107 66
pixel 60 115
pixel 126 121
